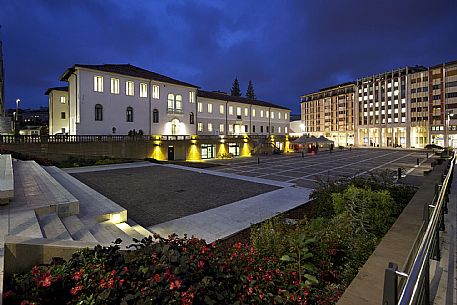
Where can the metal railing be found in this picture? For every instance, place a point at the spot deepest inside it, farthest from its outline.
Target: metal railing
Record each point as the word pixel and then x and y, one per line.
pixel 412 287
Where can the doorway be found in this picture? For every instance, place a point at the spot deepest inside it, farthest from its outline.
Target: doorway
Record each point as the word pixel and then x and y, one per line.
pixel 171 153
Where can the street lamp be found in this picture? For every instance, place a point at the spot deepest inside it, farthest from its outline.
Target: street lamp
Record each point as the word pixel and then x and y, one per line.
pixel 17 113
pixel 449 114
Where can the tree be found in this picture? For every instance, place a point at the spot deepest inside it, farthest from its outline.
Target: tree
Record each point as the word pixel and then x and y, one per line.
pixel 235 88
pixel 250 92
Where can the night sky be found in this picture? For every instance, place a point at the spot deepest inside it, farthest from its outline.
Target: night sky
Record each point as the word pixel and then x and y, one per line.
pixel 287 48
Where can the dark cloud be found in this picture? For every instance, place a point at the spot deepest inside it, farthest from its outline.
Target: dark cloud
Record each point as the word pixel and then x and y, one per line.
pixel 287 48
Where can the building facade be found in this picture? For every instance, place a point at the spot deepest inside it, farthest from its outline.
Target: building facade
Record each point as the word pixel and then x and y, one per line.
pixel 124 99
pixel 407 107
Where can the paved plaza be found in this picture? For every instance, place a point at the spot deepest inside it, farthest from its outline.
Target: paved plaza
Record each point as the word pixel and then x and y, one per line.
pixel 306 171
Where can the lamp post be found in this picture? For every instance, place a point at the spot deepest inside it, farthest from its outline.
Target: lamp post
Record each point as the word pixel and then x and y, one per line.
pixel 448 114
pixel 15 118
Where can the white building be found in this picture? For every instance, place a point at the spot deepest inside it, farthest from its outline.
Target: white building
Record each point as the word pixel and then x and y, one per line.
pixel 115 99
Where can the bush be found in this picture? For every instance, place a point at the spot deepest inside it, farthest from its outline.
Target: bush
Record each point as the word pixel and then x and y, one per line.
pixel 161 271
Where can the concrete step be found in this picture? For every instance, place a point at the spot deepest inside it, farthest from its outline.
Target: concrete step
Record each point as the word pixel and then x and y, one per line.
pixel 130 231
pixel 53 228
pixel 92 203
pixel 107 232
pixel 77 229
pixel 140 229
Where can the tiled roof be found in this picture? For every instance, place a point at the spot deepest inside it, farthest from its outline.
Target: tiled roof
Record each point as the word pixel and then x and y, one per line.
pixel 236 99
pixel 57 89
pixel 129 70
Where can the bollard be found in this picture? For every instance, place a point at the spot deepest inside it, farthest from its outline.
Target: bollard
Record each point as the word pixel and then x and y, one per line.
pixel 350 148
pixel 399 173
pixel 417 161
pixel 427 155
pixel 258 160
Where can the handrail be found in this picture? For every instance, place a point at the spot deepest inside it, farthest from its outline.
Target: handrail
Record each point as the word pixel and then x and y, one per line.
pixel 411 290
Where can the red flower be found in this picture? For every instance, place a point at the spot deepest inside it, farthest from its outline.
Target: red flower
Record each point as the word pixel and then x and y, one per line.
pixel 35 270
pixel 175 285
pixel 110 283
pixel 205 249
pixel 250 291
pixel 103 283
pixel 201 264
pixel 76 289
pixel 47 281
pixel 126 269
pixel 113 273
pixel 121 281
pixel 157 278
pixel 77 275
pixel 249 277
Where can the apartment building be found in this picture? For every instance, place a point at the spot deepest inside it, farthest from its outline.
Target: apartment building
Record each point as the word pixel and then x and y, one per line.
pixel 406 107
pixel 330 112
pixel 119 99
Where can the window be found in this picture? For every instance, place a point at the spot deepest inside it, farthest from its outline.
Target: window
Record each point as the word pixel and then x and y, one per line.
pixel 62 115
pixel 171 101
pixel 221 128
pixel 267 128
pixel 63 99
pixel 129 114
pixel 98 112
pixel 191 118
pixel 246 111
pixel 272 129
pixel 238 110
pixel 155 91
pixel 253 128
pixel 261 128
pixel 221 109
pixel 155 116
pixel 231 110
pixel 285 117
pixel 115 86
pixel 279 129
pixel 253 112
pixel 200 107
pixel 210 108
pixel 267 113
pixel 200 126
pixel 261 114
pixel 178 105
pixel 231 128
pixel 285 129
pixel 210 127
pixel 143 90
pixel 191 97
pixel 129 88
pixel 98 83
pixel 272 115
pixel 279 115
pixel 246 128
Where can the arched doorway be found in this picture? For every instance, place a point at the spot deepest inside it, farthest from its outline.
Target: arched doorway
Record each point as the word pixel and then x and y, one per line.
pixel 175 126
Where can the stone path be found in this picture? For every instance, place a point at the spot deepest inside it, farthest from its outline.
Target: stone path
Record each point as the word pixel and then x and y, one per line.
pixel 231 218
pixel 96 168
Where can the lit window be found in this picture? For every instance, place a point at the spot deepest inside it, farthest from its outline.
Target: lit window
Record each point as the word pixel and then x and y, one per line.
pixel 155 91
pixel 200 126
pixel 98 83
pixel 210 108
pixel 115 86
pixel 129 114
pixel 238 110
pixel 285 117
pixel 221 109
pixel 221 128
pixel 191 97
pixel 253 112
pixel 63 99
pixel 279 115
pixel 143 90
pixel 285 129
pixel 200 107
pixel 98 112
pixel 261 113
pixel 279 129
pixel 210 127
pixel 231 110
pixel 272 115
pixel 231 128
pixel 129 88
pixel 155 116
pixel 171 101
pixel 267 113
pixel 246 111
pixel 178 102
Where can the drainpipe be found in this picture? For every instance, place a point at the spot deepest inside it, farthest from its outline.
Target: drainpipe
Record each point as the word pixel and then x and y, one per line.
pixel 150 107
pixel 226 118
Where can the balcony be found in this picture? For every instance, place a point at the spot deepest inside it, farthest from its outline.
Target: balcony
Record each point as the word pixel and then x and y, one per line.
pixel 174 111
